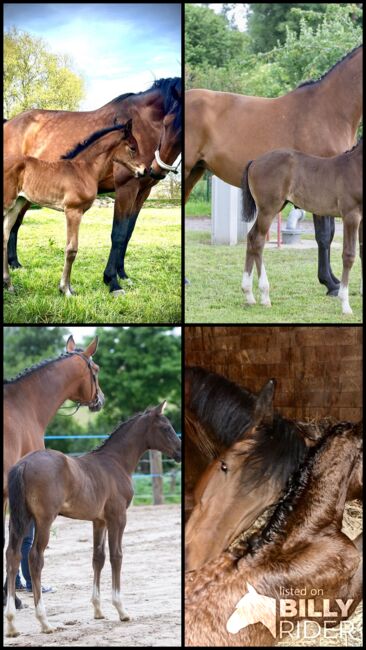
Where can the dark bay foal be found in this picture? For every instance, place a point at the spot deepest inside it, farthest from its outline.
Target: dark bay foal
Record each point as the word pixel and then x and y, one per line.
pixel 324 186
pixel 95 487
pixel 238 599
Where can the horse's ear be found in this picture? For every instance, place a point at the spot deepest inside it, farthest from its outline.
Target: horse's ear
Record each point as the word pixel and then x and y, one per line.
pixel 92 348
pixel 177 93
pixel 263 410
pixel 70 345
pixel 160 409
pixel 128 127
pixel 311 432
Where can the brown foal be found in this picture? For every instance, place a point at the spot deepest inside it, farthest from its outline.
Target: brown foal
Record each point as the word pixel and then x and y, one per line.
pixel 324 186
pixel 96 487
pixel 68 185
pixel 241 599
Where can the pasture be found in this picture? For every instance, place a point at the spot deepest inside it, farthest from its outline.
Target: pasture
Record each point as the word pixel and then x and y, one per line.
pixel 153 263
pixel 214 294
pixel 151 583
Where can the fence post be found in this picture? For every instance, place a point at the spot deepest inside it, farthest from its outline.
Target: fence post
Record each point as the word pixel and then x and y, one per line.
pixel 156 466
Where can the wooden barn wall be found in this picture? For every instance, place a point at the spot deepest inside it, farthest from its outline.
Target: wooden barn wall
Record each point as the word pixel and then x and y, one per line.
pixel 318 369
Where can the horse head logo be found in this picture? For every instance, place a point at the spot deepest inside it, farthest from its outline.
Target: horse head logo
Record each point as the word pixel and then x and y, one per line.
pixel 253 608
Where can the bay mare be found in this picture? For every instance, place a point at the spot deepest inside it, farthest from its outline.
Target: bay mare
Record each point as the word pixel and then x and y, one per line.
pixel 247 477
pixel 96 487
pixel 238 599
pixel 325 186
pixel 68 185
pixel 32 399
pixel 224 131
pixel 36 133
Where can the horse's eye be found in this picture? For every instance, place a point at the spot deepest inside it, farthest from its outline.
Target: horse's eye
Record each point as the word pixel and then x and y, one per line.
pixel 224 467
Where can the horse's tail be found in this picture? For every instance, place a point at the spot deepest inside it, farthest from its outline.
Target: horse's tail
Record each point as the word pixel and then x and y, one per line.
pixel 248 204
pixel 20 516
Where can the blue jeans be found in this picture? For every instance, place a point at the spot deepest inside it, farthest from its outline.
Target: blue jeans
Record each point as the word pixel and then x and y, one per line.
pixel 26 547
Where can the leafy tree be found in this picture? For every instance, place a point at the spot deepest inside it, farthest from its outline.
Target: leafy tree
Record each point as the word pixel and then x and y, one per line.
pixel 139 367
pixel 24 346
pixel 35 78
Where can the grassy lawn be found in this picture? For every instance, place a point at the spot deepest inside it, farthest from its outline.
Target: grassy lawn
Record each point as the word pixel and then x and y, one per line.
pixel 153 263
pixel 142 486
pixel 215 295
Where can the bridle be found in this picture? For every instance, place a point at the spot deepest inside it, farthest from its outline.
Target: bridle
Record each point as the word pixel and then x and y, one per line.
pixel 93 379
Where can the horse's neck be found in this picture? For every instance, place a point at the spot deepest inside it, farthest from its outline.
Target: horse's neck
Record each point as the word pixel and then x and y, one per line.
pixel 344 85
pixel 321 506
pixel 47 390
pixel 98 156
pixel 128 446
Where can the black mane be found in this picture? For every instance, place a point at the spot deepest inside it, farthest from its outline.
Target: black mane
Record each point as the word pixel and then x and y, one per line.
pixel 165 85
pixel 296 485
pixel 311 82
pixel 222 407
pixel 81 146
pixel 278 450
pixel 36 366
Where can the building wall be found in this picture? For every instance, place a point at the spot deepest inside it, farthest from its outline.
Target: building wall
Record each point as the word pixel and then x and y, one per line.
pixel 318 369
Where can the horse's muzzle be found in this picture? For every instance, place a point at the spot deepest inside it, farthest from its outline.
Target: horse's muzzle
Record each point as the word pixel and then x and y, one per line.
pixel 142 174
pixel 98 404
pixel 155 176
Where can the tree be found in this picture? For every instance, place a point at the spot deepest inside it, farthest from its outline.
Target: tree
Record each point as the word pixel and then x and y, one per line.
pixel 35 78
pixel 24 346
pixel 139 367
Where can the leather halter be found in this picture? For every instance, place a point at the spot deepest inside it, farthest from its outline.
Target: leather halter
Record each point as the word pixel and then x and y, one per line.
pixel 92 402
pixel 163 165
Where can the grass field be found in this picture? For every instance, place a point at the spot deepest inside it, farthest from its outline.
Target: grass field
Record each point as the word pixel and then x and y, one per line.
pixel 153 263
pixel 215 295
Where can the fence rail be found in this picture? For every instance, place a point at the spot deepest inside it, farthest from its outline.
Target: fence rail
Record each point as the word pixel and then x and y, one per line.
pixel 156 476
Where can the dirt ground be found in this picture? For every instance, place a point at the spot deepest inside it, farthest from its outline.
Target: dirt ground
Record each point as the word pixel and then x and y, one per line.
pixel 151 585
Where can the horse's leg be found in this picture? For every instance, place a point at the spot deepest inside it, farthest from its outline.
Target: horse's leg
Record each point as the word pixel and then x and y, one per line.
pixel 324 233
pixel 99 534
pixel 360 239
pixel 351 224
pixel 10 217
pixel 192 176
pixel 138 203
pixel 124 207
pixel 13 239
pixel 255 244
pixel 73 219
pixel 116 526
pixel 13 556
pixel 36 562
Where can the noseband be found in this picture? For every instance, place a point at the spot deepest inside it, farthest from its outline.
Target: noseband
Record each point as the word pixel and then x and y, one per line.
pixel 163 165
pixel 92 402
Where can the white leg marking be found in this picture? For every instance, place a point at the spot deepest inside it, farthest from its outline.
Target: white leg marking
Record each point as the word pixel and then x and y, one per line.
pixel 96 602
pixel 263 285
pixel 247 287
pixel 42 617
pixel 117 602
pixel 10 611
pixel 343 296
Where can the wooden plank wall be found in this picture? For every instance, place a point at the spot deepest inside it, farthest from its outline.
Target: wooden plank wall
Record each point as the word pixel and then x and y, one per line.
pixel 318 369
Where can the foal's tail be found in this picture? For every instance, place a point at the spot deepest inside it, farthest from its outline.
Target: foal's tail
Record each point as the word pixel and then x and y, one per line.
pixel 20 516
pixel 248 206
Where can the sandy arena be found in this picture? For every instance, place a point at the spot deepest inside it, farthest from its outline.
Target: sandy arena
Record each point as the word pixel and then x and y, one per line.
pixel 151 585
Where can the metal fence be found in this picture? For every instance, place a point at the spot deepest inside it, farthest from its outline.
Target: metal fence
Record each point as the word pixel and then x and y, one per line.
pixel 157 481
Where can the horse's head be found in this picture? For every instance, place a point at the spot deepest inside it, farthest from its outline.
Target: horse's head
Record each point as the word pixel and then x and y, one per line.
pixel 170 144
pixel 232 492
pixel 127 153
pixel 87 391
pixel 160 433
pixel 253 608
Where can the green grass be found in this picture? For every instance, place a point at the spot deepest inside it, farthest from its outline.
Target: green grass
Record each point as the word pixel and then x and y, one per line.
pixel 153 263
pixel 143 490
pixel 198 209
pixel 215 295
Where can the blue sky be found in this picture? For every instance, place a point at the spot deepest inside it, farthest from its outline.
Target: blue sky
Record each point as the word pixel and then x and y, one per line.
pixel 117 48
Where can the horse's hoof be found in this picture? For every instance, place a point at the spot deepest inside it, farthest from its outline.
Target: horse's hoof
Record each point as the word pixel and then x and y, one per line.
pixel 125 617
pixel 118 292
pixel 15 265
pixel 333 292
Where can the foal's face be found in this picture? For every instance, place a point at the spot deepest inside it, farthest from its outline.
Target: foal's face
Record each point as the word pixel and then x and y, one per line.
pixel 127 153
pixel 161 436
